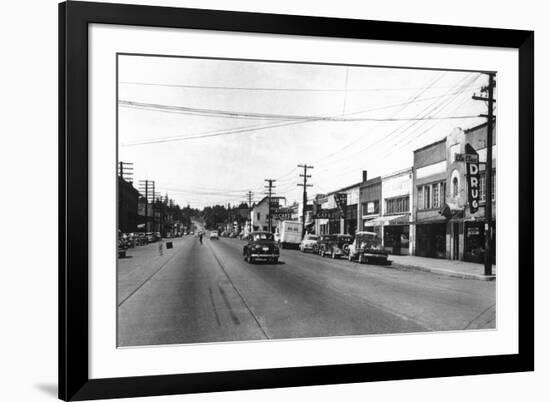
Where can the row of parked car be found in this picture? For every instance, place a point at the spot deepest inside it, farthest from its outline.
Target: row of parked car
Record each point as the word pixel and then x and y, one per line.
pixel 364 247
pixel 131 240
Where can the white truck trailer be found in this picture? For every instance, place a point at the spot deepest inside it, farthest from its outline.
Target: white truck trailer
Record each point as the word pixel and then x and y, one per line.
pixel 290 233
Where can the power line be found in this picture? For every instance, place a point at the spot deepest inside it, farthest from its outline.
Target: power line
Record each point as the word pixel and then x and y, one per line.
pixel 227 113
pixel 268 89
pixel 403 129
pixel 245 129
pixel 404 105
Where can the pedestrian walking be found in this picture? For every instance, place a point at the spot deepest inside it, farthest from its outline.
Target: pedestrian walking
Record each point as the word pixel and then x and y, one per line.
pixel 200 237
pixel 161 251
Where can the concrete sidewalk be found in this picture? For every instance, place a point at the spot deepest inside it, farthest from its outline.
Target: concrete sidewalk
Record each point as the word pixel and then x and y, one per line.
pixel 458 269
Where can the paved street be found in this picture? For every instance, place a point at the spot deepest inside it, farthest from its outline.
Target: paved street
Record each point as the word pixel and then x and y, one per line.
pixel 207 293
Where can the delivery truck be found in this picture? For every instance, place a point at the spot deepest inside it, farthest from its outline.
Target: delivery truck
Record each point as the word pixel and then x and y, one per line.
pixel 290 233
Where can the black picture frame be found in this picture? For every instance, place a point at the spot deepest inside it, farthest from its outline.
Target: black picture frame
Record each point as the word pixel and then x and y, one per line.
pixel 74 18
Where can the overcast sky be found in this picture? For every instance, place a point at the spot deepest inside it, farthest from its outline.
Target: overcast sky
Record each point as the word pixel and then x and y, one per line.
pixel 207 131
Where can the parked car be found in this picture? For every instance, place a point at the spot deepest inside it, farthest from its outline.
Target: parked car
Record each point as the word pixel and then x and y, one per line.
pixel 367 247
pixel 157 235
pixel 308 242
pixel 260 246
pixel 214 235
pixel 121 245
pixel 150 237
pixel 323 243
pixel 334 245
pixel 131 239
pixel 140 239
pixel 232 235
pixel 340 247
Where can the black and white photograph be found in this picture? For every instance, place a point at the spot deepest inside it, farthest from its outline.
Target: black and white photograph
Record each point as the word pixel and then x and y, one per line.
pixel 272 200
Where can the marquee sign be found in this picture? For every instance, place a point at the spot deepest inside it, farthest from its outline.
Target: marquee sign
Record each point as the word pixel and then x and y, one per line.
pixel 333 213
pixel 281 215
pixel 468 158
pixel 472 177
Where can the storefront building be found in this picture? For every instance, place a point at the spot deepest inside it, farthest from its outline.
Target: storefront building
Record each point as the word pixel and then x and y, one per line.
pixel 370 196
pixel 346 219
pixel 395 220
pixel 444 226
pixel 430 179
pixel 259 215
pixel 128 198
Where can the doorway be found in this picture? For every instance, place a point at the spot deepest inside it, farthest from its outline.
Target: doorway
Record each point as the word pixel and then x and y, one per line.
pixel 455 241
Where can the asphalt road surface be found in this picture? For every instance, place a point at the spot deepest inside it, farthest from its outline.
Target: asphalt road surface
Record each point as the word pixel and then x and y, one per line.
pixel 195 293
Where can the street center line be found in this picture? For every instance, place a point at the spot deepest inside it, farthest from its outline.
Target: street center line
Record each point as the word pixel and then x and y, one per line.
pixel 264 331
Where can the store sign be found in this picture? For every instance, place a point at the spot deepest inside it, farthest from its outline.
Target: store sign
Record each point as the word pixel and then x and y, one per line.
pixel 328 214
pixel 341 200
pixel 281 215
pixel 472 177
pixel 468 158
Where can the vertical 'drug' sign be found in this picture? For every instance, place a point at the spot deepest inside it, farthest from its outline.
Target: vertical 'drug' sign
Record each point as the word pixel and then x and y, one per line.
pixel 472 176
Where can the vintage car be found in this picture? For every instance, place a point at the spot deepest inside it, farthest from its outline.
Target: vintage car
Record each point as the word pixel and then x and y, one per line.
pixel 122 246
pixel 367 247
pixel 260 246
pixel 334 245
pixel 308 243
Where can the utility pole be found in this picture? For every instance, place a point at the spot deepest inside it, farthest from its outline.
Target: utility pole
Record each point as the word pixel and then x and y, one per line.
pixel 269 193
pixel 147 187
pixel 249 195
pixel 488 256
pixel 125 171
pixel 304 199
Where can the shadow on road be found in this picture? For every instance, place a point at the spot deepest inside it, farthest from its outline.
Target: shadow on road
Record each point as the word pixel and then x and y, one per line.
pixel 264 263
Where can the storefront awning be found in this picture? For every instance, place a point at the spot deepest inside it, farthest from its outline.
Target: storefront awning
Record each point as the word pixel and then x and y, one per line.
pixel 388 220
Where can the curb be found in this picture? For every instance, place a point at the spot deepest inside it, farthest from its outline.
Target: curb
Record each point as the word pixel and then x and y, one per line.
pixel 445 272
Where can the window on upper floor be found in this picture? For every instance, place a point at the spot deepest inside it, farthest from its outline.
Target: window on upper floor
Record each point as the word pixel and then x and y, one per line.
pixel 431 195
pixel 435 196
pixel 370 207
pixel 482 187
pixel 397 205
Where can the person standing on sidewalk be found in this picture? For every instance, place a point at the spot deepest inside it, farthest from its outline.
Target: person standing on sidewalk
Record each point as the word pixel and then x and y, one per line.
pixel 161 251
